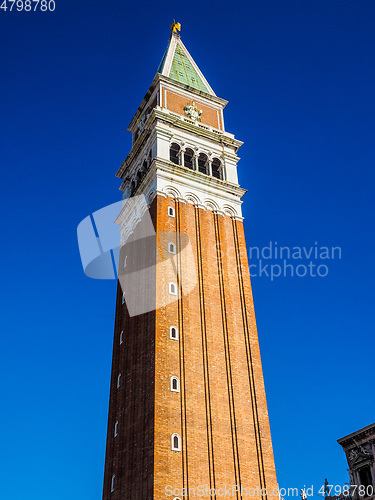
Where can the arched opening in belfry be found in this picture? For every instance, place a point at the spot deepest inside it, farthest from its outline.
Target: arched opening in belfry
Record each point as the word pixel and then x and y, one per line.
pixel 189 158
pixel 217 169
pixel 174 153
pixel 203 163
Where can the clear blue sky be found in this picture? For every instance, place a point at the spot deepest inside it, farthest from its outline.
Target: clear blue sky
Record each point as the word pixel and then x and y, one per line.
pixel 300 79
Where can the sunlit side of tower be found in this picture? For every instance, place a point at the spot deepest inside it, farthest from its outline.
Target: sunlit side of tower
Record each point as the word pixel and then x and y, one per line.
pixel 187 402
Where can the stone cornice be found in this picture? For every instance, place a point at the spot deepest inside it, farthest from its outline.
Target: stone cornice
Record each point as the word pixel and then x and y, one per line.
pixel 184 123
pixel 190 175
pixel 167 179
pixel 204 180
pixel 363 434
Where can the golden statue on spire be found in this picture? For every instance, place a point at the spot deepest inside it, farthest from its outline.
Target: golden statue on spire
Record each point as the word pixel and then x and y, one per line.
pixel 175 27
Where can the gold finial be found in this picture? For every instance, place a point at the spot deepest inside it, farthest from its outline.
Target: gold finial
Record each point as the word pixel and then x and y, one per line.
pixel 175 27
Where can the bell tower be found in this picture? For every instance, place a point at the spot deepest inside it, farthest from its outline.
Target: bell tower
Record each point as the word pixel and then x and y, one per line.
pixel 187 412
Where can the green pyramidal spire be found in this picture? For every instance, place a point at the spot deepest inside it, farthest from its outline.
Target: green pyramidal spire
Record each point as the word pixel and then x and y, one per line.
pixel 178 64
pixel 183 71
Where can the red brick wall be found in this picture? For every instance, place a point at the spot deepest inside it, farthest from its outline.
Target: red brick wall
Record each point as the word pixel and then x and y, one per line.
pixel 220 411
pixel 176 103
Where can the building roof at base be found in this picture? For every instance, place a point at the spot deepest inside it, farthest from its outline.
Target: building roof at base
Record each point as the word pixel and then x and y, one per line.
pixel 365 430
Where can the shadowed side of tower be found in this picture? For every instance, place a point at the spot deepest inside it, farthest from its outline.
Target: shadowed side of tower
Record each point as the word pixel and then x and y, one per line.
pixel 130 435
pixel 187 410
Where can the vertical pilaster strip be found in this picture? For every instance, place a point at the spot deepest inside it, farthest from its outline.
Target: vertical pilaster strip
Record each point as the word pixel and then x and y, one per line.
pixel 210 449
pixel 184 449
pixel 227 360
pixel 254 404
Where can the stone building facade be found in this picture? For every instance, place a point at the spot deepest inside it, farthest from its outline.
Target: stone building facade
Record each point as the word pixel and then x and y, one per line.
pixel 359 448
